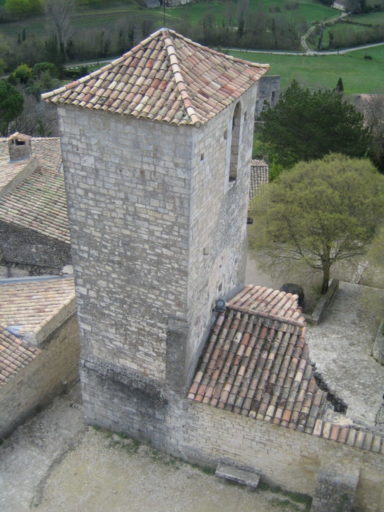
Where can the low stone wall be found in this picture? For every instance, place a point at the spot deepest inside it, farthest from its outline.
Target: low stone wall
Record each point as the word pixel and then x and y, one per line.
pixel 202 434
pixel 42 379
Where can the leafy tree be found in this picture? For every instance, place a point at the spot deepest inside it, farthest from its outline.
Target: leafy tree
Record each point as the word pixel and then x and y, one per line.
pixel 22 74
pixel 11 105
pixel 339 86
pixel 306 125
pixel 58 13
pixel 319 212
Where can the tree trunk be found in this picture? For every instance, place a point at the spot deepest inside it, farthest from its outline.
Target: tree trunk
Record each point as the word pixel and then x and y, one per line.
pixel 326 277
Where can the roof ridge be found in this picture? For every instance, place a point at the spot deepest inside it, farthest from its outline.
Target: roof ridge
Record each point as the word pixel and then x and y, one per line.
pixel 268 316
pixel 211 50
pixel 178 76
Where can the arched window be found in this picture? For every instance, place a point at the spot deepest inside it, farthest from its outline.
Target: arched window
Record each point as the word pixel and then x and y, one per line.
pixel 233 165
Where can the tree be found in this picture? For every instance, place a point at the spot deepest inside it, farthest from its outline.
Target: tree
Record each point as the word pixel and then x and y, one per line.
pixel 307 125
pixel 11 105
pixel 319 212
pixel 59 14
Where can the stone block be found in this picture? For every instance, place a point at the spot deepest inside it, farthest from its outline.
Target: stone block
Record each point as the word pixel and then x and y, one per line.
pixel 335 491
pixel 246 477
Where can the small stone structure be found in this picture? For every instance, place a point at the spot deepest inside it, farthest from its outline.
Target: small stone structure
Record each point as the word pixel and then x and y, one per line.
pixel 19 147
pixel 156 153
pixel 268 93
pixel 39 345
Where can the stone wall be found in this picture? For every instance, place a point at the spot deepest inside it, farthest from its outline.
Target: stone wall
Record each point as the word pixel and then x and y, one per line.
pixel 158 232
pixel 218 217
pixel 206 435
pixel 268 93
pixel 42 379
pixel 127 182
pixel 27 247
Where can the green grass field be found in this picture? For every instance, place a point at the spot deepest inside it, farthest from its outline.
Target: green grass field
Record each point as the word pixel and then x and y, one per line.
pixel 103 17
pixel 359 75
pixel 307 11
pixel 373 18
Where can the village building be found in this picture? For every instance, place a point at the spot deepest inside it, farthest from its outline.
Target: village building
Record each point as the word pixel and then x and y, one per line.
pixel 39 344
pixel 34 232
pixel 175 350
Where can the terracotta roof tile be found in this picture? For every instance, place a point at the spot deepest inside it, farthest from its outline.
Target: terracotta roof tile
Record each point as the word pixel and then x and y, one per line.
pixel 39 201
pixel 256 363
pixel 167 77
pixel 14 355
pixel 268 302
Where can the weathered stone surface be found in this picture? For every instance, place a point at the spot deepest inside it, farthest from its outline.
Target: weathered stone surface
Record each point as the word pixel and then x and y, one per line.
pixel 335 491
pixel 378 344
pixel 238 475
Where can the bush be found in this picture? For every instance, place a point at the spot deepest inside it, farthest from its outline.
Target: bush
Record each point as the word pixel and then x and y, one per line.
pixel 22 74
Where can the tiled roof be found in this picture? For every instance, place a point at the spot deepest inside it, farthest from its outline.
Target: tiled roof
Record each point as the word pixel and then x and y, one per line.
pixel 256 363
pixel 276 304
pixel 259 367
pixel 14 355
pixel 31 308
pixel 167 77
pixel 39 201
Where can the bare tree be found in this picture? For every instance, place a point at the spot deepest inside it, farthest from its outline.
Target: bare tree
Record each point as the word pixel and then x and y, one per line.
pixel 59 14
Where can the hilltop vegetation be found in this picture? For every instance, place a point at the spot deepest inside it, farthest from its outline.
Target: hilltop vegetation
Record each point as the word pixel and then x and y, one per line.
pixel 99 28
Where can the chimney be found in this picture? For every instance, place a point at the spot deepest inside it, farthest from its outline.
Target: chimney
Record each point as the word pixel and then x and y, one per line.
pixel 19 146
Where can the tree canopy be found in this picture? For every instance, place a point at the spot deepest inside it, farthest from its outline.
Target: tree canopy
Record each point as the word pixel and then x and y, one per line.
pixel 307 125
pixel 11 105
pixel 319 212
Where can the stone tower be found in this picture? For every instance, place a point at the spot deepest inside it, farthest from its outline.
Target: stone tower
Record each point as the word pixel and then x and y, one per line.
pixel 156 152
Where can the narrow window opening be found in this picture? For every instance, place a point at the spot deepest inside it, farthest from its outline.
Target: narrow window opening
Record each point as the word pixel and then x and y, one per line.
pixel 233 165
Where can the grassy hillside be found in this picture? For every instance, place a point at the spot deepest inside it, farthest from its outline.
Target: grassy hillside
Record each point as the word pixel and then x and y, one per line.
pixel 358 74
pixel 106 17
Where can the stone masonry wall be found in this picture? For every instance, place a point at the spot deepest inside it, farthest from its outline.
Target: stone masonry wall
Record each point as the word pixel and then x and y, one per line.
pixel 42 379
pixel 206 435
pixel 128 187
pixel 218 216
pixel 28 247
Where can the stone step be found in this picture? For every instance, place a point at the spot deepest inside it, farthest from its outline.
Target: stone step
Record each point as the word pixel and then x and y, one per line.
pixel 335 491
pixel 240 476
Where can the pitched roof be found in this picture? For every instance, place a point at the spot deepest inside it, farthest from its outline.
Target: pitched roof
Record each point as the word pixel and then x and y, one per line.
pixel 14 355
pixel 268 302
pixel 31 308
pixel 256 362
pixel 167 77
pixel 38 202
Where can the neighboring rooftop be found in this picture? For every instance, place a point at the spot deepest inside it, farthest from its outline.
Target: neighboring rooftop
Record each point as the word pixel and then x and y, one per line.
pixel 268 302
pixel 256 363
pixel 14 355
pixel 166 77
pixel 33 193
pixel 31 308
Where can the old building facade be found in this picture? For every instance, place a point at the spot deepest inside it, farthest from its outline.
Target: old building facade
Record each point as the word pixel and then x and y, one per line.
pixel 156 153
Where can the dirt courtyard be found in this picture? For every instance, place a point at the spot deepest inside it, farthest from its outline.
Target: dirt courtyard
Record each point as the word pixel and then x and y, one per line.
pixel 54 463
